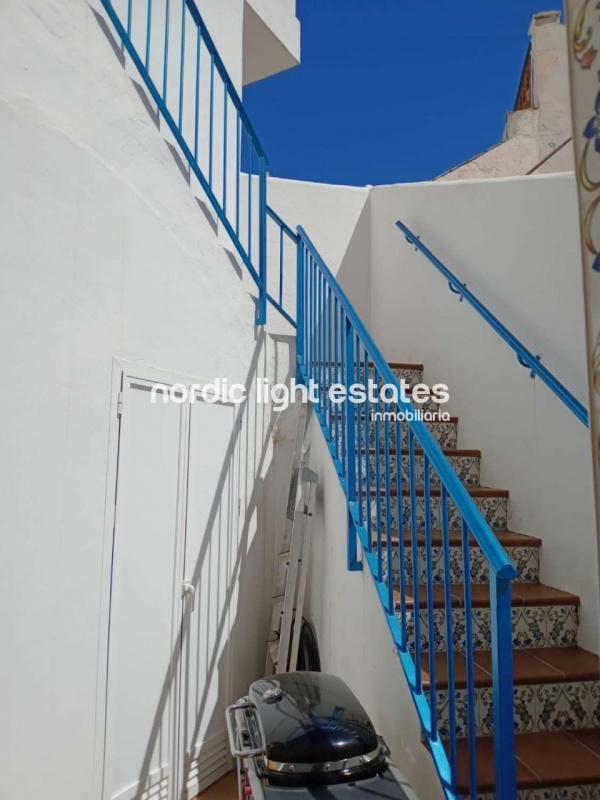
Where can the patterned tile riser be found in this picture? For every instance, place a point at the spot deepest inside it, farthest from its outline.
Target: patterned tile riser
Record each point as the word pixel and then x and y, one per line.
pixel 591 792
pixel 525 559
pixel 493 509
pixel 468 469
pixel 533 626
pixel 444 433
pixel 538 708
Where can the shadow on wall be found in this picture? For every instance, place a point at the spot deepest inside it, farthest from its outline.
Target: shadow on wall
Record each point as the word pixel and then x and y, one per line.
pixel 231 617
pixel 182 165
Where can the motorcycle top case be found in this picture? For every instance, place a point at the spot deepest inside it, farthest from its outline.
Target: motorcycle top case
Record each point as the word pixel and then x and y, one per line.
pixel 313 729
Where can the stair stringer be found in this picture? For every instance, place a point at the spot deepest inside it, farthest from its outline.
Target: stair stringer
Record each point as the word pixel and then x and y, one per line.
pixel 354 639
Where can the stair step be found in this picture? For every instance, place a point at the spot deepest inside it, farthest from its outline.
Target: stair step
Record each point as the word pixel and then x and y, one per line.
pixel 523 594
pixel 523 551
pixel 466 464
pixel 542 616
pixel 555 688
pixel 539 665
pixel 492 503
pixel 557 762
pixel 444 432
pixel 436 491
pixel 506 538
pixel 411 373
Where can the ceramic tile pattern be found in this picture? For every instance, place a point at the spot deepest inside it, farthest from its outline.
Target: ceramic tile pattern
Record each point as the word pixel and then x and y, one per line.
pixel 555 706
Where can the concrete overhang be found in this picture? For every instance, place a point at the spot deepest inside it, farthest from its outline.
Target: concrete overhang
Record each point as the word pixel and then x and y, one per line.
pixel 271 38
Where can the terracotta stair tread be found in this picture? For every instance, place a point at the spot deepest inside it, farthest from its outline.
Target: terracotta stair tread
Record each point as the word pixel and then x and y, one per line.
pixel 538 665
pixel 556 758
pixel 506 539
pixel 523 594
pixel 435 491
pixel 401 365
pixel 447 452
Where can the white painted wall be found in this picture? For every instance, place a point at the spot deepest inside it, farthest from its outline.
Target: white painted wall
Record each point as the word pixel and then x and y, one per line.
pixel 515 243
pixel 337 219
pixel 106 254
pixel 353 636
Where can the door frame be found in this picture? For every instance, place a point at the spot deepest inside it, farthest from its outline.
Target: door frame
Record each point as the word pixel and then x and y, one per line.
pixel 122 370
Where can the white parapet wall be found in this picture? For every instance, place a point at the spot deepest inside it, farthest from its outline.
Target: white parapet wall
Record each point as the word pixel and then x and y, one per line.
pixel 514 242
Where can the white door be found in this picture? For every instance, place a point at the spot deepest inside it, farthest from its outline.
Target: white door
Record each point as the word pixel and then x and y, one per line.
pixel 145 605
pixel 176 529
pixel 211 566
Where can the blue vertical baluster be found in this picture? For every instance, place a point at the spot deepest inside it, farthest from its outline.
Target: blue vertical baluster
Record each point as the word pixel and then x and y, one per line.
pixel 129 17
pixel 414 542
pixel 388 514
pixel 197 93
pixel 345 382
pixel 468 608
pixel 351 454
pixel 368 471
pixel 400 529
pixel 360 422
pixel 300 298
pixel 211 119
pixel 429 591
pixel 449 634
pixel 249 196
pixel 378 492
pixel 281 266
pixel 182 65
pixel 166 49
pixel 312 321
pixel 148 32
pixel 324 323
pixel 502 687
pixel 238 167
pixel 336 417
pixel 262 239
pixel 225 115
pixel 317 374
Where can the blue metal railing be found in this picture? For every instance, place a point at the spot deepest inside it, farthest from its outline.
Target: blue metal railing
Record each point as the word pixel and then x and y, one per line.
pixel 284 232
pixel 524 356
pixel 177 59
pixel 396 522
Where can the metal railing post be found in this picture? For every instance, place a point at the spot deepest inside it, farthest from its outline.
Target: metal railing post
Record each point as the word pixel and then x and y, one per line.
pixel 354 564
pixel 502 683
pixel 300 303
pixel 261 316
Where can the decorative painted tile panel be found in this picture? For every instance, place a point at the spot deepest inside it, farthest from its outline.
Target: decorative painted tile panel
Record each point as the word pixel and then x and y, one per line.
pixel 525 559
pixel 538 708
pixel 493 509
pixel 533 626
pixel 467 468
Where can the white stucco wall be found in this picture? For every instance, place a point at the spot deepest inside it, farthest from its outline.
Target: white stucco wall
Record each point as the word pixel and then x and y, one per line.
pixel 337 219
pixel 515 243
pixel 106 254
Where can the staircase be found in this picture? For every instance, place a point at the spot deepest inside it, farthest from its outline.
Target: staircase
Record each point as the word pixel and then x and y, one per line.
pixel 556 683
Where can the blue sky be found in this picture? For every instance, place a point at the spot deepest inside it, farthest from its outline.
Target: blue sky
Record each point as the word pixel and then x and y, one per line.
pixel 392 90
